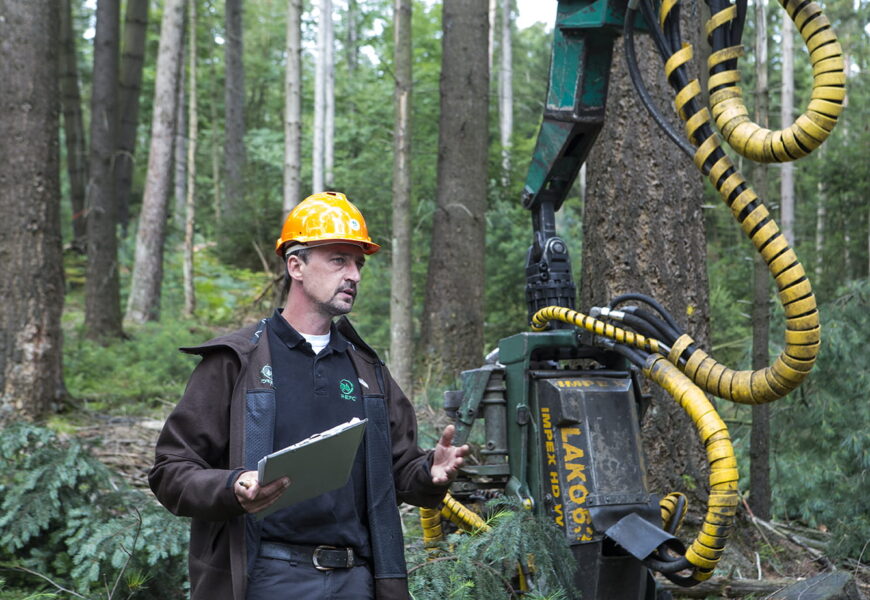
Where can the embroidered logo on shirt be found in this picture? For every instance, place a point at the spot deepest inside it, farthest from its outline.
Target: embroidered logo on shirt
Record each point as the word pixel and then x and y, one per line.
pixel 266 375
pixel 346 388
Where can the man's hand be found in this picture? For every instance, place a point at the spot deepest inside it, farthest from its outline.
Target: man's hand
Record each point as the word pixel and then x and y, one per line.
pixel 254 498
pixel 448 458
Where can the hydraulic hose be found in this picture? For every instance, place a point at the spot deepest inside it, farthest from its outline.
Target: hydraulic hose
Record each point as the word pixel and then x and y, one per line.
pixel 452 510
pixel 802 336
pixel 826 100
pixel 578 319
pixel 704 553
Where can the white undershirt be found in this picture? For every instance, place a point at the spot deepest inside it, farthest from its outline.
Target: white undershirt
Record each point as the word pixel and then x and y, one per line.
pixel 318 342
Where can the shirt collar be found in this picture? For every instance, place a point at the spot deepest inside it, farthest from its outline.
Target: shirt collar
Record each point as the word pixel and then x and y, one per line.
pixel 292 338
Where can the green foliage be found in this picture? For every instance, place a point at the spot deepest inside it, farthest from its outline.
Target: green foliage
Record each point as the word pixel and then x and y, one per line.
pixel 68 518
pixel 821 440
pixel 145 369
pixel 482 564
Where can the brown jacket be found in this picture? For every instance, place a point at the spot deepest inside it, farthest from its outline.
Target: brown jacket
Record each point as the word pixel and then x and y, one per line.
pixel 201 451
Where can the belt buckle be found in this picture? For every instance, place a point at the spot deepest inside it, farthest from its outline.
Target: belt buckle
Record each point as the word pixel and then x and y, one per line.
pixel 318 549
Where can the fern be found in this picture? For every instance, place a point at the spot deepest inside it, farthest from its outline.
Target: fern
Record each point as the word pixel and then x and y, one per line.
pixel 483 564
pixel 67 517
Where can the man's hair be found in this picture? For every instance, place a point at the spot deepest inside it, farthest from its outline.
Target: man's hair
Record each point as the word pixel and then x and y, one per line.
pixel 304 254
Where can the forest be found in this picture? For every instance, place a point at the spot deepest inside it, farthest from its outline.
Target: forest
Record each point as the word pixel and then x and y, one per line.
pixel 150 151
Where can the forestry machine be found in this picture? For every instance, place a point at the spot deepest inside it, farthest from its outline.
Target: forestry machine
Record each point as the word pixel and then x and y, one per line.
pixel 564 440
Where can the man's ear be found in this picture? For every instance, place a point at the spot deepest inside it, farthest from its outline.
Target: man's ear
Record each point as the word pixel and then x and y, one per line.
pixel 294 267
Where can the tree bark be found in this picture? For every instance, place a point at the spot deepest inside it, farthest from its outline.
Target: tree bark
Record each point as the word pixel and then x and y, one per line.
pixel 73 127
pixel 144 301
pixel 786 185
pixel 329 106
pixel 505 92
pixel 821 218
pixel 759 445
pixel 454 311
pixel 293 108
pixel 643 231
pixel 352 44
pixel 234 140
pixel 31 274
pixel 401 291
pixel 190 202
pixel 102 289
pixel 318 150
pixel 129 90
pixel 179 151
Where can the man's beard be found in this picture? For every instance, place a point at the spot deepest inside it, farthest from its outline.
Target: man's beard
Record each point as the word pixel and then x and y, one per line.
pixel 333 308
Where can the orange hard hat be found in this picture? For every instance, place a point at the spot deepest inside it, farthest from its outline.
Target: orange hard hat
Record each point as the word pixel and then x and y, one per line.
pixel 326 217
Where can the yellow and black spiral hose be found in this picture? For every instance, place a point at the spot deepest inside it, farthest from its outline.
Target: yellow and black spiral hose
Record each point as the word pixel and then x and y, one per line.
pixel 670 357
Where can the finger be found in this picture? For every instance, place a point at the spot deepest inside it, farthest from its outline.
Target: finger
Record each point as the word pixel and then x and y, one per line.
pixel 447 436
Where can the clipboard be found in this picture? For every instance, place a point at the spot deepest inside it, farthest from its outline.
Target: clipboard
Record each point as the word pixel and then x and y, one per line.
pixel 316 465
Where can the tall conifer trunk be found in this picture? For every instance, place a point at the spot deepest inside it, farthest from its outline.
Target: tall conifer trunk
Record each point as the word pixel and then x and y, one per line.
pixel 401 316
pixel 129 90
pixel 190 201
pixel 643 231
pixel 759 446
pixel 454 313
pixel 234 134
pixel 31 274
pixel 144 301
pixel 293 108
pixel 102 288
pixel 73 127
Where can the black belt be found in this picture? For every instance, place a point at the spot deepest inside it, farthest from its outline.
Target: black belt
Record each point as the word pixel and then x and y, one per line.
pixel 324 558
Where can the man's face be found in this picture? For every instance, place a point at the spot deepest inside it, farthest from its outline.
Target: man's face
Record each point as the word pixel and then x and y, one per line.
pixel 330 277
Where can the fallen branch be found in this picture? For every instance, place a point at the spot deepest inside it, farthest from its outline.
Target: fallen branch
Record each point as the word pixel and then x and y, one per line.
pixel 724 587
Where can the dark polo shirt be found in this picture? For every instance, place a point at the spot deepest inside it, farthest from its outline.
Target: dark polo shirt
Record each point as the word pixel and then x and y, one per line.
pixel 314 393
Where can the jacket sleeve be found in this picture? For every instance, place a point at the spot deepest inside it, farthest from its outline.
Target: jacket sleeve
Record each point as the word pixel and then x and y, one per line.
pixel 191 476
pixel 411 465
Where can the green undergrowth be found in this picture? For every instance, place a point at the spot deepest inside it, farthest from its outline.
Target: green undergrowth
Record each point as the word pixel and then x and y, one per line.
pixel 485 563
pixel 68 523
pixel 144 370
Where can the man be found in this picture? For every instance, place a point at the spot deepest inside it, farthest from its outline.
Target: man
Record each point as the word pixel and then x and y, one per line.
pixel 272 384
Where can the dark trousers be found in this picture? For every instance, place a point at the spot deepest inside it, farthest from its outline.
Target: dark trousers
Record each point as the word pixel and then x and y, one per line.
pixel 276 579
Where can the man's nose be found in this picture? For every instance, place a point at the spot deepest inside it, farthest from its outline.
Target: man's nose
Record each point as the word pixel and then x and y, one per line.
pixel 353 273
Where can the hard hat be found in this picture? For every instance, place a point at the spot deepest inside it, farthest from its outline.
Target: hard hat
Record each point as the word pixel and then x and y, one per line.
pixel 323 218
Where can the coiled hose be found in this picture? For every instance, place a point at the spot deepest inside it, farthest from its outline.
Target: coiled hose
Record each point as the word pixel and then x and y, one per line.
pixel 452 510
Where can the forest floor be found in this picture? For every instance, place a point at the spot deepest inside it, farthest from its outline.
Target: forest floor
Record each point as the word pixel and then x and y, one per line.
pixel 761 556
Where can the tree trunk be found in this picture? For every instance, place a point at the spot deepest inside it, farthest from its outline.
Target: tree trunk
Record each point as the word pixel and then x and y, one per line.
pixel 818 271
pixel 102 290
pixel 190 203
pixel 318 151
pixel 31 274
pixel 234 135
pixel 329 99
pixel 73 128
pixel 759 446
pixel 493 12
pixel 179 151
pixel 505 92
pixel 352 48
pixel 129 90
pixel 454 312
pixel 786 184
pixel 643 231
pixel 144 301
pixel 401 316
pixel 217 196
pixel 293 108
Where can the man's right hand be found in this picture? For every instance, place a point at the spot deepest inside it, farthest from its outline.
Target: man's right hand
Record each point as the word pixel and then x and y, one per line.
pixel 254 498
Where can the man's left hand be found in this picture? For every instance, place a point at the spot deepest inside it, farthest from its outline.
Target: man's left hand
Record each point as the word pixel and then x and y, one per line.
pixel 448 458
